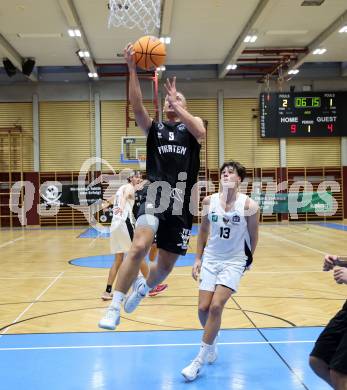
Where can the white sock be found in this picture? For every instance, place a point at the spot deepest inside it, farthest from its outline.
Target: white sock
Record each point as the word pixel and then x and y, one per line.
pixel 215 340
pixel 143 289
pixel 204 350
pixel 118 298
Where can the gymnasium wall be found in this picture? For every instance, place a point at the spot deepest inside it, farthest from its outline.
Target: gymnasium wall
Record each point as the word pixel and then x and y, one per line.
pixel 67 128
pixel 242 141
pixel 67 135
pixel 16 114
pixel 192 88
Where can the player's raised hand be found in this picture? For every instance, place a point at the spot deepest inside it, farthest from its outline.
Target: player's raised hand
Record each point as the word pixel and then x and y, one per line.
pixel 171 91
pixel 329 262
pixel 340 275
pixel 196 269
pixel 129 56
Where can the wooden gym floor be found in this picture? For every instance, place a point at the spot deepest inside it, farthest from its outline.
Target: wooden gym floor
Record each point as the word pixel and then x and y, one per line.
pixel 41 292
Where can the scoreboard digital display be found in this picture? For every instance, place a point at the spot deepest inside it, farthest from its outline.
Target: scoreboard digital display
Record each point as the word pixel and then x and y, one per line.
pixel 303 114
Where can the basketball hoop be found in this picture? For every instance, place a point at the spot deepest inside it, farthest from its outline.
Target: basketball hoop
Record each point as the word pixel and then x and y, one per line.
pixel 144 14
pixel 142 162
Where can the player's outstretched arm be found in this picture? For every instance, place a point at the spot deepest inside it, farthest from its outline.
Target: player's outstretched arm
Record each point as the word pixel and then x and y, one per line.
pixel 202 238
pixel 341 261
pixel 194 124
pixel 142 117
pixel 253 223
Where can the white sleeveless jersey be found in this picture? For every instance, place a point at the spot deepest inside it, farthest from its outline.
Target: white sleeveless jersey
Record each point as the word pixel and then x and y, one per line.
pixel 229 238
pixel 128 209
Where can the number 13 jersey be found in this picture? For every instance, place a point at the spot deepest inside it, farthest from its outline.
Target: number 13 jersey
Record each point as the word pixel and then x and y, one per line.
pixel 229 238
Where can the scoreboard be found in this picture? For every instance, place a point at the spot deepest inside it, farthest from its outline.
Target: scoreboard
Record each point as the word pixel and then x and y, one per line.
pixel 303 114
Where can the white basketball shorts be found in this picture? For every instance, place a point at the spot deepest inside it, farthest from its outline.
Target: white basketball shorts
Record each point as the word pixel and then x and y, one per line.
pixel 225 273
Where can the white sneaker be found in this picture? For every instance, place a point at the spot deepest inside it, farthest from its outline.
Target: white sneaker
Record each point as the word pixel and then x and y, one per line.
pixel 193 370
pixel 134 298
pixel 111 319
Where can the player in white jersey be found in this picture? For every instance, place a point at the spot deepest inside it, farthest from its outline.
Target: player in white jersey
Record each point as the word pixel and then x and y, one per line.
pixel 227 239
pixel 122 229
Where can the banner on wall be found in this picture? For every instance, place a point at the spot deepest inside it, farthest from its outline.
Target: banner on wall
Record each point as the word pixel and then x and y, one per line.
pixel 302 202
pixel 70 194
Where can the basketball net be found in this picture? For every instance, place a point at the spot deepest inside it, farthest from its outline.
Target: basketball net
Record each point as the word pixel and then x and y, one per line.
pixel 144 14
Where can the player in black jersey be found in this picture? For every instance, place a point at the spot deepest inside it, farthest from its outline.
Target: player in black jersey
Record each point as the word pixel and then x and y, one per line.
pixel 328 358
pixel 173 149
pixel 140 196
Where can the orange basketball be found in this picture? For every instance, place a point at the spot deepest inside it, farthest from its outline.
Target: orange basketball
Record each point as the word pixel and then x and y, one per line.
pixel 150 52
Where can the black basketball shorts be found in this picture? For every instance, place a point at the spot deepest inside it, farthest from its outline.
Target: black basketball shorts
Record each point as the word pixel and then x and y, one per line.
pixel 331 345
pixel 174 230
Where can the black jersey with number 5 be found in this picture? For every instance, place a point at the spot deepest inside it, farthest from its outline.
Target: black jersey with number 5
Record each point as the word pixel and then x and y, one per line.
pixel 172 149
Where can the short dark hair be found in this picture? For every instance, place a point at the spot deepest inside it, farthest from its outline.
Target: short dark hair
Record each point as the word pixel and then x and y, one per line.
pixel 240 169
pixel 132 174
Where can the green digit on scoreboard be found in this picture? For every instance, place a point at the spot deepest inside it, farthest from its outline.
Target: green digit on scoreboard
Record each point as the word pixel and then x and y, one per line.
pixel 316 102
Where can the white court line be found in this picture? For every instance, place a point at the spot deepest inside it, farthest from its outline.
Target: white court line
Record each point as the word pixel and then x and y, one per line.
pixel 153 345
pixel 93 242
pixel 52 277
pixel 186 275
pixel 293 242
pixel 11 242
pixel 32 303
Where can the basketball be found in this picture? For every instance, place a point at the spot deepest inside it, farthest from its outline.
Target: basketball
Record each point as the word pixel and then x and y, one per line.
pixel 150 52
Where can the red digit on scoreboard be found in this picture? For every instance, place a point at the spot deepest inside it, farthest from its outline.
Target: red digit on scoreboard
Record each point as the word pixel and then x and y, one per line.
pixel 330 127
pixel 293 129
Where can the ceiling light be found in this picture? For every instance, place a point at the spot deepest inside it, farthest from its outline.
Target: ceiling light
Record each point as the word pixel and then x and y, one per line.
pixel 250 38
pixel 231 67
pixel 166 40
pixel 343 29
pixel 92 75
pixel 293 71
pixel 84 54
pixel 74 32
pixel 319 51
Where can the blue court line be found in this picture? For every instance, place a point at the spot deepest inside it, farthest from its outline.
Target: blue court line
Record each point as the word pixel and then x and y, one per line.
pixel 106 261
pixel 333 226
pixel 134 360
